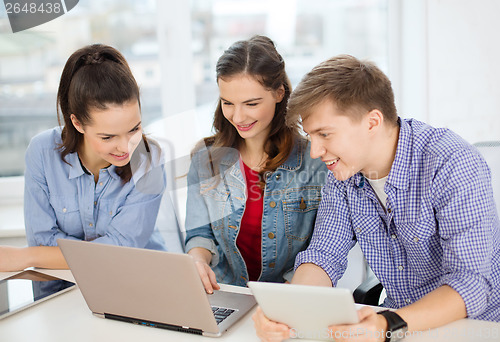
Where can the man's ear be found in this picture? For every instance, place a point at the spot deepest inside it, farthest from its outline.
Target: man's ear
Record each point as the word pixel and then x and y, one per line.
pixel 280 93
pixel 375 119
pixel 78 126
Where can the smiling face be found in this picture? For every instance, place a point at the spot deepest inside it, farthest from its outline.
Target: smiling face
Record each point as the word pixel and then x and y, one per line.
pixel 343 143
pixel 111 136
pixel 248 106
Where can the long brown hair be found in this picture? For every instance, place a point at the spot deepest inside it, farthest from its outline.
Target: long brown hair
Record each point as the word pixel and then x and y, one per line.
pixel 94 77
pixel 258 58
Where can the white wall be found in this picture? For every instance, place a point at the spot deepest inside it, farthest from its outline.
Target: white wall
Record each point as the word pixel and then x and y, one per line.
pixel 448 73
pixel 464 68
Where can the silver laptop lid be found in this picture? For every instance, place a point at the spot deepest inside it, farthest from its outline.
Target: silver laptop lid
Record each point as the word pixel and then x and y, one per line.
pixel 140 283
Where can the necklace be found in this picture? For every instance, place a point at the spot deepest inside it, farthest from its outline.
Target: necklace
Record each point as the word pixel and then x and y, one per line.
pixel 256 166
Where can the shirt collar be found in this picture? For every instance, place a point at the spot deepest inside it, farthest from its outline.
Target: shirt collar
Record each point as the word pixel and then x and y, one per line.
pixel 399 176
pixel 112 172
pixel 76 169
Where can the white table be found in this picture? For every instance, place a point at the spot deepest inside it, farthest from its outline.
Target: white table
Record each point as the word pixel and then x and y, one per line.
pixel 67 318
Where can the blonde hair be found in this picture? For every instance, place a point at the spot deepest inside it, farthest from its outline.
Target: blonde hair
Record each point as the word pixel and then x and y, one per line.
pixel 349 83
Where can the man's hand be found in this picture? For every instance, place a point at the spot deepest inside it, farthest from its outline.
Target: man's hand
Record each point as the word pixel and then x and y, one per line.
pixel 371 328
pixel 267 330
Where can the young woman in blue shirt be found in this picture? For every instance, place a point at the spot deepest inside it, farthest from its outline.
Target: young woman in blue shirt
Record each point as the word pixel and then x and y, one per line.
pixel 253 189
pixel 97 178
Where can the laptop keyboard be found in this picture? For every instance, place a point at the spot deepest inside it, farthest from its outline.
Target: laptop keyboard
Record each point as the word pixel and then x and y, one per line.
pixel 221 313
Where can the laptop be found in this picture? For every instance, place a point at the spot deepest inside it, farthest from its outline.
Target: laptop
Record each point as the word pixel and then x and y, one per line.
pixel 151 288
pixel 307 310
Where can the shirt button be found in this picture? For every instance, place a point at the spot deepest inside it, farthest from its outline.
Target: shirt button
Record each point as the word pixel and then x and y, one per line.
pixel 95 203
pixel 271 235
pixel 272 204
pixel 389 210
pixel 415 239
pixel 400 267
pixel 272 264
pixel 358 230
pixel 100 183
pixel 91 225
pixel 408 301
pixel 278 176
pixel 393 236
pixel 65 210
pixel 110 213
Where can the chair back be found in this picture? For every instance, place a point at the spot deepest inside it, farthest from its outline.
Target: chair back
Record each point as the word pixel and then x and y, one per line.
pixel 490 150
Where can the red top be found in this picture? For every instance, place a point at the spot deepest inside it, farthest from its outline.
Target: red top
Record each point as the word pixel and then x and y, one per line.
pixel 249 239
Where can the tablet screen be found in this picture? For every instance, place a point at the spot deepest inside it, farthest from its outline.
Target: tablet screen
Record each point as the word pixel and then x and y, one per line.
pixel 28 288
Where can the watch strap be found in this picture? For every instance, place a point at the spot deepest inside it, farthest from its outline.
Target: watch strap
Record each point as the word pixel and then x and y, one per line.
pixel 394 324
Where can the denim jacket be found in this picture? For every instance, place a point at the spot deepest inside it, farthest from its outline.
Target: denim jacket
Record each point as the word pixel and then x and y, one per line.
pixel 215 206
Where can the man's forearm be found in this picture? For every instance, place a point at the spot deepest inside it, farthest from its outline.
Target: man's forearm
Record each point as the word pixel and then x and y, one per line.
pixel 311 274
pixel 439 307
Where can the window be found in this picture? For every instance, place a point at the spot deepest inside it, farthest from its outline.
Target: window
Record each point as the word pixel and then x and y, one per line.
pixel 31 62
pixel 305 31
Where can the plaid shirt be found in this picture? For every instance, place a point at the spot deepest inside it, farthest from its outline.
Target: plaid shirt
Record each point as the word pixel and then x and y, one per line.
pixel 440 228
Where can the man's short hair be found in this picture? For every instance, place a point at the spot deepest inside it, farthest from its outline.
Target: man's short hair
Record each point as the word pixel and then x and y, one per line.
pixel 350 83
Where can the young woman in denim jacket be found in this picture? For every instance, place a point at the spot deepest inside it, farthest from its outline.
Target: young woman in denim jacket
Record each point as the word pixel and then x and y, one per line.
pixel 253 189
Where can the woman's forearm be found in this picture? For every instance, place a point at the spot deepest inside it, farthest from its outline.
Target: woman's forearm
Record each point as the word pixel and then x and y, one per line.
pixel 200 253
pixel 19 258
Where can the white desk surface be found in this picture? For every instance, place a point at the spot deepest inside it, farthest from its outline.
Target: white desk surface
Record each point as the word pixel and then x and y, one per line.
pixel 67 318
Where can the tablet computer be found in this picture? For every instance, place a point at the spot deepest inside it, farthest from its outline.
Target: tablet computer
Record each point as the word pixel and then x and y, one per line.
pixel 28 288
pixel 307 310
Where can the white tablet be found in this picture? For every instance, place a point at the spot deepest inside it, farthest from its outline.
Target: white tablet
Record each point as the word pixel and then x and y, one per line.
pixel 307 310
pixel 28 288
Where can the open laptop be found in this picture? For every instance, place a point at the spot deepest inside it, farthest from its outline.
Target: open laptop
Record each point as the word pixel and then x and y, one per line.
pixel 307 310
pixel 151 288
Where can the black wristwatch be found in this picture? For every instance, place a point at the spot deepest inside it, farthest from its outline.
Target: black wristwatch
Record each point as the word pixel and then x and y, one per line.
pixel 396 326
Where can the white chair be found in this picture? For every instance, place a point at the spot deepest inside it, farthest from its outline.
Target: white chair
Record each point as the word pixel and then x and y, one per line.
pixel 490 150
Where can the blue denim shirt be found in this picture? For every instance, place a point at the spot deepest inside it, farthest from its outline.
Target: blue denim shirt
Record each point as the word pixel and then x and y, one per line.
pixel 215 206
pixel 62 201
